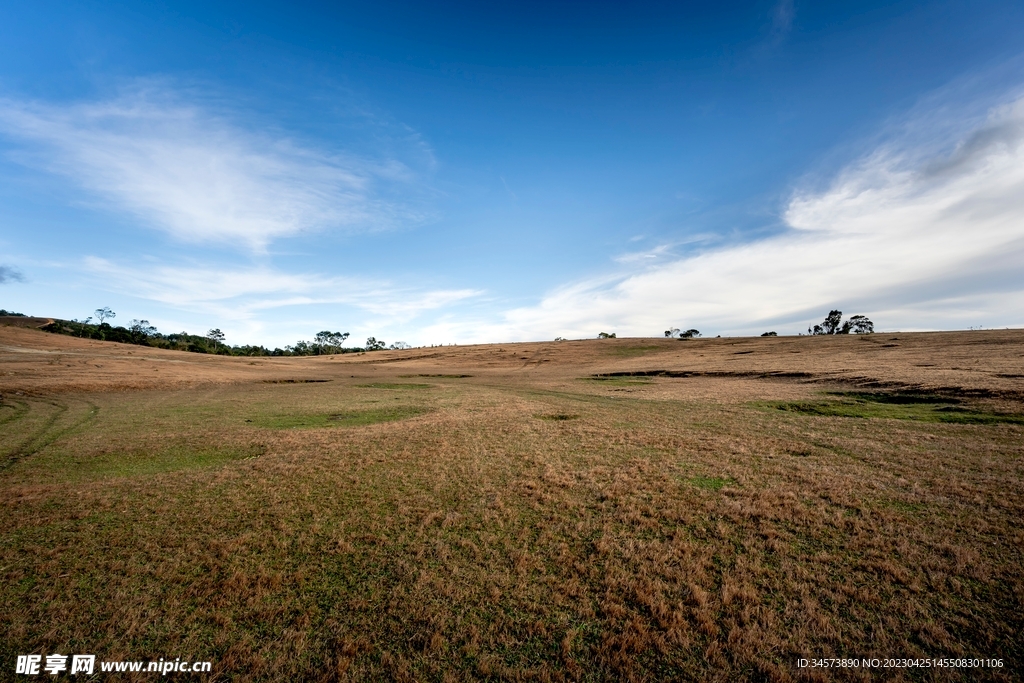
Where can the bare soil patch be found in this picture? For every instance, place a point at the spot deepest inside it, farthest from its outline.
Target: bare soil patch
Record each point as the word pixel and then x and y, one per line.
pixel 24 321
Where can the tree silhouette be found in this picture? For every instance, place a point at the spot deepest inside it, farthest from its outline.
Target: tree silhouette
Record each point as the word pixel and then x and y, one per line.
pixel 858 324
pixel 140 331
pixel 327 342
pixel 104 314
pixel 833 324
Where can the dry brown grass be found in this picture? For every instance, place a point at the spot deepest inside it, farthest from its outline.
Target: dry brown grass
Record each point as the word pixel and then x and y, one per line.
pixel 521 523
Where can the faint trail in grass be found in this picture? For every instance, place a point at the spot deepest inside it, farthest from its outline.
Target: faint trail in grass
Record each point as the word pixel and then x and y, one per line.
pixel 23 443
pixel 50 430
pixel 89 415
pixel 17 411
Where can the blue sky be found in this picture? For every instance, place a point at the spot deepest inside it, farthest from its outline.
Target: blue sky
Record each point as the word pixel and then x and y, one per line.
pixel 499 172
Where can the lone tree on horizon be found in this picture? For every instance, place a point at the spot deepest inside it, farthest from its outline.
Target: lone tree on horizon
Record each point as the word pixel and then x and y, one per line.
pixel 103 314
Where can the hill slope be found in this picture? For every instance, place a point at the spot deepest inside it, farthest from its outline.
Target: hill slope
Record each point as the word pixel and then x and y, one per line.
pixel 642 509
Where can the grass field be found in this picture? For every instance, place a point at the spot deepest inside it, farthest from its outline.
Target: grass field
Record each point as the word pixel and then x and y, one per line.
pixel 602 510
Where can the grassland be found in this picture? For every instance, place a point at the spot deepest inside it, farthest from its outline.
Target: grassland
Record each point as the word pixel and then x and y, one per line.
pixel 605 510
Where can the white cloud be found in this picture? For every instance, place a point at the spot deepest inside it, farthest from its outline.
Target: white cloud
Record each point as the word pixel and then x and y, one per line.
pixel 914 235
pixel 241 293
pixel 926 231
pixel 200 177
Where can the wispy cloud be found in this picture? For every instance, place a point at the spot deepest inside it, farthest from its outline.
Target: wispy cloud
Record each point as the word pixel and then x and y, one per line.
pixel 647 256
pixel 782 19
pixel 10 274
pixel 242 293
pixel 662 252
pixel 777 28
pixel 200 175
pixel 916 235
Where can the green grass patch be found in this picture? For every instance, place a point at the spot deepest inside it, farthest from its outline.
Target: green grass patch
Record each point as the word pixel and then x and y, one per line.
pixel 709 483
pixel 169 460
pixel 895 406
pixel 394 385
pixel 12 411
pixel 62 465
pixel 352 418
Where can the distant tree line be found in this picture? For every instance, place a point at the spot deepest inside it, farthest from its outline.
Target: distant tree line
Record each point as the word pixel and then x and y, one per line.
pixel 142 333
pixel 834 324
pixel 326 342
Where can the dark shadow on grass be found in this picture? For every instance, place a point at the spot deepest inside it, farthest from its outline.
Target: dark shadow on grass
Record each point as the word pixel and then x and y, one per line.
pixel 293 381
pixel 617 381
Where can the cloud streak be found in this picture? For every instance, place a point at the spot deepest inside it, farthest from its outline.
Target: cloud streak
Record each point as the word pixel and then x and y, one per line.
pixel 782 20
pixel 915 235
pixel 243 293
pixel 199 176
